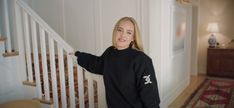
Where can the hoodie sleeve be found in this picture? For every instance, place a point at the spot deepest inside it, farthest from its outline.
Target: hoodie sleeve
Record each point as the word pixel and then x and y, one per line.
pixel 92 63
pixel 147 83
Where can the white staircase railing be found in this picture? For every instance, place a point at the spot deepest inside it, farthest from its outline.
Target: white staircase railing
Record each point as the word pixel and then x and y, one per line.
pixel 45 58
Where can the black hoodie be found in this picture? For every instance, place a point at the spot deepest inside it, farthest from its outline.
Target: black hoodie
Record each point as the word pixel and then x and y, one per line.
pixel 129 77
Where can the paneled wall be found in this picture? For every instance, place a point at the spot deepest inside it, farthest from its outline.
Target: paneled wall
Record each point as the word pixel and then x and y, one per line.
pixel 89 23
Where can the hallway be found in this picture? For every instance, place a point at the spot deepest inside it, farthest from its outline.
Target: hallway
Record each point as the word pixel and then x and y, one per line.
pixel 195 81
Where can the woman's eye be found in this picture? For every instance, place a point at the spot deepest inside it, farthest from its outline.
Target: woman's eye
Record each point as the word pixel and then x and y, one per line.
pixel 130 33
pixel 118 29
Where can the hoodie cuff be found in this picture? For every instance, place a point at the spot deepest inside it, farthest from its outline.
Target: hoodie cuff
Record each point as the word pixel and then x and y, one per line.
pixel 76 53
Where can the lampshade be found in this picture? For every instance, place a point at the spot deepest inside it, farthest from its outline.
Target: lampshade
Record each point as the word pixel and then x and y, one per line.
pixel 213 28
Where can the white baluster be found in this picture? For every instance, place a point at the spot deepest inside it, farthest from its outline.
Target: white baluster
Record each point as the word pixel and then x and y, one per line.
pixel 44 64
pixel 35 57
pixel 101 92
pixel 90 89
pixel 19 33
pixel 27 47
pixel 53 73
pixel 71 81
pixel 7 25
pixel 62 77
pixel 80 86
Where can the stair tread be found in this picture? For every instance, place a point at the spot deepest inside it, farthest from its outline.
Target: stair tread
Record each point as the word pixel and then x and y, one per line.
pixel 10 54
pixel 2 39
pixel 43 100
pixel 29 83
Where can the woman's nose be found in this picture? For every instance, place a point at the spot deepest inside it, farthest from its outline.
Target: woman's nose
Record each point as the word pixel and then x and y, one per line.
pixel 123 34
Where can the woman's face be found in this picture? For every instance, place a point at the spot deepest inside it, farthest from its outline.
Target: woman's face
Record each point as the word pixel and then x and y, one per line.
pixel 124 35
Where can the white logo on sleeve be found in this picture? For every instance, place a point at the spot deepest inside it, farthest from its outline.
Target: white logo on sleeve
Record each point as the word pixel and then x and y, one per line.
pixel 147 79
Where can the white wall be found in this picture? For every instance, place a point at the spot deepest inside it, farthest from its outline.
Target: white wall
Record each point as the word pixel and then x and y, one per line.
pixel 79 26
pixel 194 49
pixel 51 11
pixel 11 87
pixel 10 84
pixel 89 23
pixel 172 71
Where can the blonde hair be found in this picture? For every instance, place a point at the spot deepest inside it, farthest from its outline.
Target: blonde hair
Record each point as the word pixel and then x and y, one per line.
pixel 137 42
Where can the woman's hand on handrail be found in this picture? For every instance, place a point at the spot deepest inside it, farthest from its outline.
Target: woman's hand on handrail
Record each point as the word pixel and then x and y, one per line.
pixel 71 53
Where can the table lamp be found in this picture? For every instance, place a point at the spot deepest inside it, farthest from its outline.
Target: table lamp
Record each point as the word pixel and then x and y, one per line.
pixel 212 28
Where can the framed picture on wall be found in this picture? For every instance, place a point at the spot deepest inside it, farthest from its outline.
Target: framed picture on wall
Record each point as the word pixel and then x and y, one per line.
pixel 179 30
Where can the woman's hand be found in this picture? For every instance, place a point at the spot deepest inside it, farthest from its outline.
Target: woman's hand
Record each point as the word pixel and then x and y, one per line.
pixel 71 53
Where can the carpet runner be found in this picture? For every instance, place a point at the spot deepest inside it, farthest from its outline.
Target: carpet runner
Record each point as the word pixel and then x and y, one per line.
pixel 213 93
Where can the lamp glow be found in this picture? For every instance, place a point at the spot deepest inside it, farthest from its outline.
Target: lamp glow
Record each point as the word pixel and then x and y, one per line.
pixel 213 28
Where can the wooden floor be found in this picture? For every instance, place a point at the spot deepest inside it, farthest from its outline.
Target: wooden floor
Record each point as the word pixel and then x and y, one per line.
pixel 194 83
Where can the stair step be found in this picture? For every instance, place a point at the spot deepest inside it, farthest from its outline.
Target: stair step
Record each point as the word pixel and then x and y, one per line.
pixel 29 83
pixel 48 102
pixel 2 39
pixel 10 54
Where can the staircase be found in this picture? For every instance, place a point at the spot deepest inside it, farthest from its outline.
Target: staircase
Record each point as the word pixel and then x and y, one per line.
pixel 46 65
pixel 85 81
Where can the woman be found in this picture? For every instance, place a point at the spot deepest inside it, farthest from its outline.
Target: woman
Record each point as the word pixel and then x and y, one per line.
pixel 128 73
